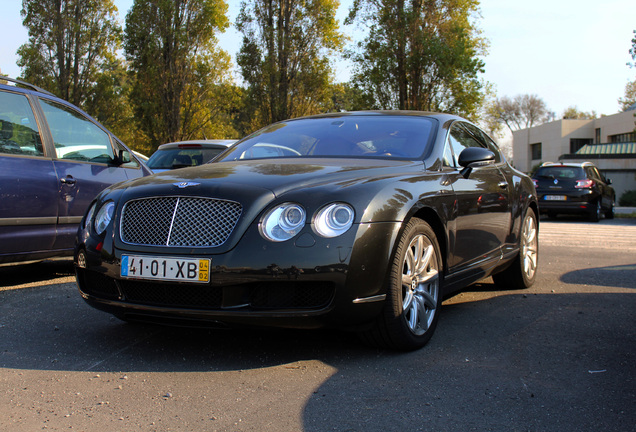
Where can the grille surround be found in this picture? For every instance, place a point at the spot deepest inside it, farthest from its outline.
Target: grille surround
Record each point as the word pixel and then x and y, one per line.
pixel 178 221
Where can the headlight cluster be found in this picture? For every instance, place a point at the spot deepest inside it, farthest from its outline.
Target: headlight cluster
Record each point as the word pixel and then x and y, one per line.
pixel 333 220
pixel 283 222
pixel 103 217
pixel 286 220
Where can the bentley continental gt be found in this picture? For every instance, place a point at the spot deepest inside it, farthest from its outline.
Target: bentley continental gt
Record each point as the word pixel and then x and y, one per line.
pixel 363 221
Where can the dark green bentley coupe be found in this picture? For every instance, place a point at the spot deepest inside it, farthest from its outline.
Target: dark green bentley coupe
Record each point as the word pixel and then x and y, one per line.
pixel 363 221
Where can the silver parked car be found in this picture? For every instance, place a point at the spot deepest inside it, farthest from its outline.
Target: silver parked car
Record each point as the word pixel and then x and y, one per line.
pixel 184 154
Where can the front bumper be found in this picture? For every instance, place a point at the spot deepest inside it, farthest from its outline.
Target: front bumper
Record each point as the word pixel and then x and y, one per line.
pixel 306 282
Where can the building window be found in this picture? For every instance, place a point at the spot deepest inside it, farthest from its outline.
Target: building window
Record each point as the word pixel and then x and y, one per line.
pixel 577 144
pixel 597 139
pixel 535 150
pixel 621 138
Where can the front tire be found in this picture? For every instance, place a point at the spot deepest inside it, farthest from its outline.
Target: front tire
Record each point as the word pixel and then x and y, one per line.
pixel 523 271
pixel 413 301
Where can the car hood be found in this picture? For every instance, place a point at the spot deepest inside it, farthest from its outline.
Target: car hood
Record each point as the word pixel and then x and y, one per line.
pixel 280 176
pixel 256 184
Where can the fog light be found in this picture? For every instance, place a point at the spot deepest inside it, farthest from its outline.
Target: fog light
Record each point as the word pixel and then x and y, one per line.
pixel 81 259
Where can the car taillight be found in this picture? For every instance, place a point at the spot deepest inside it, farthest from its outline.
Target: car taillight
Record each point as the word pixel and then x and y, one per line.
pixel 536 183
pixel 584 184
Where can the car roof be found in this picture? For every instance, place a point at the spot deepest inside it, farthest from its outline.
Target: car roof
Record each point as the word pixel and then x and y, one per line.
pixel 22 85
pixel 566 164
pixel 212 143
pixel 437 115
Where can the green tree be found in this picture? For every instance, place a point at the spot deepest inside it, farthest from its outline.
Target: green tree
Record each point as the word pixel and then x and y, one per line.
pixel 108 102
pixel 70 43
pixel 573 113
pixel 175 66
pixel 630 96
pixel 284 57
pixel 632 50
pixel 420 54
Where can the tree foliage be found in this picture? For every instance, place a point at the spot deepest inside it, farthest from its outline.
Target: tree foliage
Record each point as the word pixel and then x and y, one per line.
pixel 284 57
pixel 420 54
pixel 175 66
pixel 71 43
pixel 520 112
pixel 632 50
pixel 573 113
pixel 630 96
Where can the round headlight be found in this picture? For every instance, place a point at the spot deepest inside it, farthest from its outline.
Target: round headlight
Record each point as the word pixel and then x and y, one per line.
pixel 104 216
pixel 283 222
pixel 334 219
pixel 89 216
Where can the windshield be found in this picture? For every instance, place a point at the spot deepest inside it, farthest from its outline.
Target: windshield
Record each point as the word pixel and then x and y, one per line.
pixel 398 137
pixel 560 173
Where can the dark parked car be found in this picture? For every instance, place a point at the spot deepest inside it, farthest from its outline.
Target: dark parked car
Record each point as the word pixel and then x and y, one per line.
pixel 54 160
pixel 184 154
pixel 360 220
pixel 574 188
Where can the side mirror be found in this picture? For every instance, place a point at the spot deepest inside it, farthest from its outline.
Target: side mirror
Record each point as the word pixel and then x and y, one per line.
pixel 473 157
pixel 123 157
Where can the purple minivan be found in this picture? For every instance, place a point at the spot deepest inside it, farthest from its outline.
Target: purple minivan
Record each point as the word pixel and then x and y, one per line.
pixel 54 160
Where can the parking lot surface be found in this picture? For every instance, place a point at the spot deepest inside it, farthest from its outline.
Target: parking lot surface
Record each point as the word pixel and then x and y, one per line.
pixel 559 356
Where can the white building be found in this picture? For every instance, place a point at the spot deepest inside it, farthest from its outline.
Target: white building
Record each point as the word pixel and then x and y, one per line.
pixel 608 142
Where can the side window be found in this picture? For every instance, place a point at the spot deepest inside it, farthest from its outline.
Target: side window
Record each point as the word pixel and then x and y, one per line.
pixel 448 160
pixel 19 133
pixel 75 136
pixel 484 139
pixel 596 174
pixel 494 148
pixel 460 139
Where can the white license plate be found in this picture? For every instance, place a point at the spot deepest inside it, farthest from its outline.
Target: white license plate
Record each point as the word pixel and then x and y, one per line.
pixel 170 269
pixel 555 198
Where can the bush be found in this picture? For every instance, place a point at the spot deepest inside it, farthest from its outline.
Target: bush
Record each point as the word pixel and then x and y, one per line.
pixel 628 199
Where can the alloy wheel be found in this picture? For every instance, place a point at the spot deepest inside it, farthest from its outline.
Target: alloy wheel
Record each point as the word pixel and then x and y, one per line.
pixel 420 284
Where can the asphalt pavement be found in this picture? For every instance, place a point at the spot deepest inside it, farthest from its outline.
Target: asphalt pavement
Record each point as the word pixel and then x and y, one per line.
pixel 560 356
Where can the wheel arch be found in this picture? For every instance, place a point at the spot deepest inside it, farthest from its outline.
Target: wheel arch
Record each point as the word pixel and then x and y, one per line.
pixel 430 216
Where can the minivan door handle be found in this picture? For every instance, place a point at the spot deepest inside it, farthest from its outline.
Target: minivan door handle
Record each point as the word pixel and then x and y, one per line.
pixel 70 181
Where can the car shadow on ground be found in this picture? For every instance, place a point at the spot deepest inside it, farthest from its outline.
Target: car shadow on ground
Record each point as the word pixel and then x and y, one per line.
pixel 40 273
pixel 515 361
pixel 621 276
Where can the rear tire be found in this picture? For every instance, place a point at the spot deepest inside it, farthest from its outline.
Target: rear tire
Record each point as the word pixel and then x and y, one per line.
pixel 595 215
pixel 609 214
pixel 413 301
pixel 523 271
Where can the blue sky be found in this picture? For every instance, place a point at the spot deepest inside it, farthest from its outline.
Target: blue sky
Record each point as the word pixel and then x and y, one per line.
pixel 568 52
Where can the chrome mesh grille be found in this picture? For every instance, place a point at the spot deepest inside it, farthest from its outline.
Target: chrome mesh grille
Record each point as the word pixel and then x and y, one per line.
pixel 179 221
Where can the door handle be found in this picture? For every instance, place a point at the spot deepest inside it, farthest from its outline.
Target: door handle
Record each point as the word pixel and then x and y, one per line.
pixel 70 181
pixel 503 185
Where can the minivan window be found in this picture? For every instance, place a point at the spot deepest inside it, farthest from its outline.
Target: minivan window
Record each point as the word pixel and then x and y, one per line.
pixel 19 132
pixel 75 136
